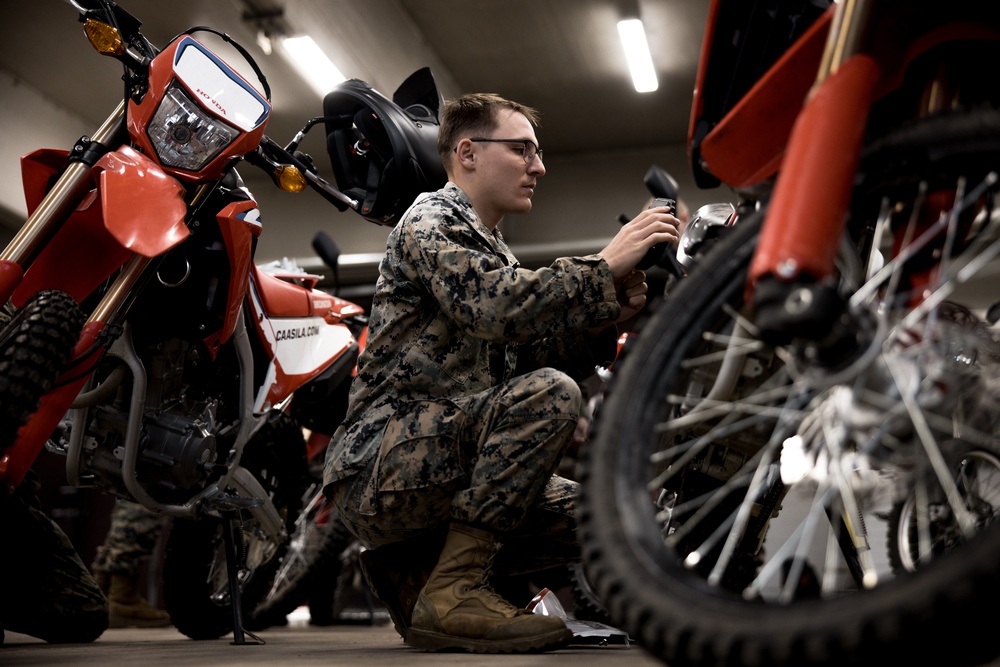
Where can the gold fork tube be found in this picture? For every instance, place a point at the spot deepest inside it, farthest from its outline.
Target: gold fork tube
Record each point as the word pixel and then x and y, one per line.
pixel 117 295
pixel 844 38
pixel 60 202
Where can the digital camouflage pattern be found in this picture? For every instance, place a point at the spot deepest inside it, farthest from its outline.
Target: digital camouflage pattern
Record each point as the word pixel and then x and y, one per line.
pixel 131 537
pixel 467 392
pixel 47 592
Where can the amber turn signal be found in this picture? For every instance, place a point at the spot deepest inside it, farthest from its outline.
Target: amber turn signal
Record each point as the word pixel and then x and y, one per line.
pixel 104 37
pixel 289 178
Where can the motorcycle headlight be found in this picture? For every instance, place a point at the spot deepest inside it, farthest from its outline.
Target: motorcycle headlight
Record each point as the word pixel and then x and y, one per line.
pixel 184 135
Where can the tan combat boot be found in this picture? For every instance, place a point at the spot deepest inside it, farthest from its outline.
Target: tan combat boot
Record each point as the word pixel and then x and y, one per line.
pixel 457 608
pixel 128 609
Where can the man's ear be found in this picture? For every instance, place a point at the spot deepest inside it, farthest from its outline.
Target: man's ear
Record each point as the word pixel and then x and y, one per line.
pixel 465 154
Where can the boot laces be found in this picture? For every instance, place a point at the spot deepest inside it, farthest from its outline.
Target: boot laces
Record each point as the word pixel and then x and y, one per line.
pixel 484 584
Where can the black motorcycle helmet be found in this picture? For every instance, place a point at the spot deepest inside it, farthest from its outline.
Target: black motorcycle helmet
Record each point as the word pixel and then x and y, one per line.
pixel 384 152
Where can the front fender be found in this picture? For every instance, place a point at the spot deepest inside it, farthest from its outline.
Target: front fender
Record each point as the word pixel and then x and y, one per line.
pixel 134 208
pixel 144 208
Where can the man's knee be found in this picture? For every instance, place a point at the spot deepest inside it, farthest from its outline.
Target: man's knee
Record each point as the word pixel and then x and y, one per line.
pixel 570 390
pixel 552 392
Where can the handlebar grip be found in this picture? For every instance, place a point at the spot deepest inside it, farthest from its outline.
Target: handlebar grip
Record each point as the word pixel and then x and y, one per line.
pixel 662 254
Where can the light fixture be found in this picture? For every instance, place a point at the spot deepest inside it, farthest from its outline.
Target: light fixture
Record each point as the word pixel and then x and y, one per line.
pixel 267 20
pixel 640 63
pixel 264 42
pixel 314 65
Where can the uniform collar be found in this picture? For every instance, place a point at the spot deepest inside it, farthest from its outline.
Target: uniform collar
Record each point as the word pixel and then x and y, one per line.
pixel 462 199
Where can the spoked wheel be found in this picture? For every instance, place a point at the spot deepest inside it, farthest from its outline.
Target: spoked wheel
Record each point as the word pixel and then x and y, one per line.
pixel 340 585
pixel 195 574
pixel 196 583
pixel 924 526
pixel 732 494
pixel 310 569
pixel 35 344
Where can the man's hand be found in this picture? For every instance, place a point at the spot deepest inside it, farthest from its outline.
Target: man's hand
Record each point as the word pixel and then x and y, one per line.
pixel 629 246
pixel 631 294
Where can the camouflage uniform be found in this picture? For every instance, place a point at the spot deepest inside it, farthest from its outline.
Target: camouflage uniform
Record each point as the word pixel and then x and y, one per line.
pixel 131 537
pixel 47 590
pixel 458 410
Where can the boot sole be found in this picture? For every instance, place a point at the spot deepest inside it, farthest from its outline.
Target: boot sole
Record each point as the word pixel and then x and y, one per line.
pixel 429 640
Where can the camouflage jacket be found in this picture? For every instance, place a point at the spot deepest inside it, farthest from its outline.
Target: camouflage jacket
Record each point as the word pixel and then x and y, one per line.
pixel 453 314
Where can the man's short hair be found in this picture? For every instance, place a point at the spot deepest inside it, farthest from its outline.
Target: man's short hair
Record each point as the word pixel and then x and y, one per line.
pixel 474 114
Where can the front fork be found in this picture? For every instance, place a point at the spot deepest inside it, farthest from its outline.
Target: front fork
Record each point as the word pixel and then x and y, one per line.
pixel 43 223
pixel 73 184
pixel 787 282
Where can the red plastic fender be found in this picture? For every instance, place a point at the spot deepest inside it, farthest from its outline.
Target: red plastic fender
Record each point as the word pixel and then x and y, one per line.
pixel 135 207
pixel 144 208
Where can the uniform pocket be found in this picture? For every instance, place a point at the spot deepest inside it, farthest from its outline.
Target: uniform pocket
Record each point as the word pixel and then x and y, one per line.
pixel 420 447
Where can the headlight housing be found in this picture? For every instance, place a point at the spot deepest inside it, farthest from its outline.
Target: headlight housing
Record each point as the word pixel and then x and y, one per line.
pixel 184 135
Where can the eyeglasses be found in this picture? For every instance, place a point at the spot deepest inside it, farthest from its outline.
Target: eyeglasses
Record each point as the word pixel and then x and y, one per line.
pixel 528 152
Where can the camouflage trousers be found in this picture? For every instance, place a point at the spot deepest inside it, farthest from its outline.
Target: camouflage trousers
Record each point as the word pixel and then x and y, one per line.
pixel 486 460
pixel 47 591
pixel 131 537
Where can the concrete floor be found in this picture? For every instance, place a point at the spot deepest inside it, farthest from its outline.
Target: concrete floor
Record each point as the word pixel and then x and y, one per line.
pixel 296 644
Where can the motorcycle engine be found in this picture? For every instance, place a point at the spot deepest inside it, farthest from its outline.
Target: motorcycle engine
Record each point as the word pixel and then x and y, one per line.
pixel 178 448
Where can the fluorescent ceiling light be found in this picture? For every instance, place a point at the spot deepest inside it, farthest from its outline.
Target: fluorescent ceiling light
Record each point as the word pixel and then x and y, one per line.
pixel 640 63
pixel 312 63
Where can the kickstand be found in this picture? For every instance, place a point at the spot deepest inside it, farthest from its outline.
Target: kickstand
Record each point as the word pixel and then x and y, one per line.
pixel 234 562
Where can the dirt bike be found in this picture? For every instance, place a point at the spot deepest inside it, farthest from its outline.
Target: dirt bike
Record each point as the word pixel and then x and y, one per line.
pixel 797 463
pixel 144 344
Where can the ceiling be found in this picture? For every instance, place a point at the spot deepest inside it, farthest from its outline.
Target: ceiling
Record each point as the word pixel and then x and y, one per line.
pixel 562 57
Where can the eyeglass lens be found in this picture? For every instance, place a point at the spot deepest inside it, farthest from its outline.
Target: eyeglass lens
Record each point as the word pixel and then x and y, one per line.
pixel 530 151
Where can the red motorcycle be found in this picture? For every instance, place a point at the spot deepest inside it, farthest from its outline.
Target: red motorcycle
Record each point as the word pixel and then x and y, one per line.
pixel 143 343
pixel 798 463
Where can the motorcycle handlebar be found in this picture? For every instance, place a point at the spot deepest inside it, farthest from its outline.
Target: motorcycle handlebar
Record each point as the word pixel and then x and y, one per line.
pixel 270 154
